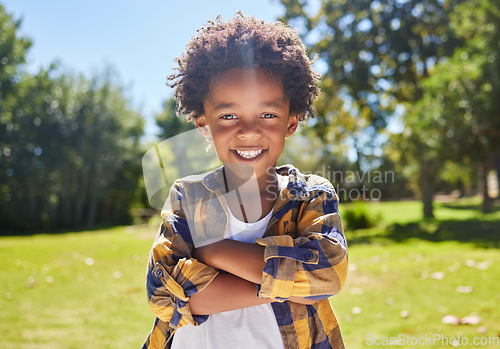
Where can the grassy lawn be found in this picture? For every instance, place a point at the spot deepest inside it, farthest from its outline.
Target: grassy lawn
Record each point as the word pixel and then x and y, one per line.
pixel 407 274
pixel 86 289
pixel 75 290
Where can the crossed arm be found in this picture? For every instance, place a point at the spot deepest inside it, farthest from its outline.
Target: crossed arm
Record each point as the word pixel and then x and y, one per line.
pixel 244 263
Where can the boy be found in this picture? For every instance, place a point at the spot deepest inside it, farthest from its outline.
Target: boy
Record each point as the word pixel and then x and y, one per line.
pixel 247 255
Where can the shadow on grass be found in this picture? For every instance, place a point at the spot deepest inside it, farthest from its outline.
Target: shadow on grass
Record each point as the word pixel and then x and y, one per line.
pixel 481 233
pixel 461 207
pixel 58 231
pixel 481 230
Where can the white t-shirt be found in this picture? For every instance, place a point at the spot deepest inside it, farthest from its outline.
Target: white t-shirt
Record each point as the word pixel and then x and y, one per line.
pixel 251 327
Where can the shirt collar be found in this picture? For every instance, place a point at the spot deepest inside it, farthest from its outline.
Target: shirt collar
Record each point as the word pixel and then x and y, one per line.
pixel 297 184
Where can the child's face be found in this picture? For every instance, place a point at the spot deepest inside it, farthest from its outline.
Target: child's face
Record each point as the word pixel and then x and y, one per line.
pixel 248 116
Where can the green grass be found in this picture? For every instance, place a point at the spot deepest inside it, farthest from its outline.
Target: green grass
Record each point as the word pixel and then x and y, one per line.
pixel 405 275
pixel 86 289
pixel 75 290
pixel 397 290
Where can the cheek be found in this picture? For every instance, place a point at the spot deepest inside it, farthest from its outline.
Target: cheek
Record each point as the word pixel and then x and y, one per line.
pixel 221 137
pixel 278 130
pixel 221 132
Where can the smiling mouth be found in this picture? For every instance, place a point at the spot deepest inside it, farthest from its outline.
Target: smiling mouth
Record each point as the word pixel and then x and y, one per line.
pixel 249 154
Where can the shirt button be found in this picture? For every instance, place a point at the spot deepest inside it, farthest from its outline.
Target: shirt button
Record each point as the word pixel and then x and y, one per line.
pixel 159 273
pixel 309 255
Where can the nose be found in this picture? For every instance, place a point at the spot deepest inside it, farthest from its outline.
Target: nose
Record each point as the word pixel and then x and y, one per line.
pixel 249 129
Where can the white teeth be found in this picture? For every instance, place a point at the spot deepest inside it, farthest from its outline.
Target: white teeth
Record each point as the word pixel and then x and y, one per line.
pixel 249 154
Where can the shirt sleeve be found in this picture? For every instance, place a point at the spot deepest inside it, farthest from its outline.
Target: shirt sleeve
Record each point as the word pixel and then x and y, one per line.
pixel 173 275
pixel 308 257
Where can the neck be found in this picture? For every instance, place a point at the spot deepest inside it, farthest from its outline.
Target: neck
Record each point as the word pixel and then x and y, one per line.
pixel 256 195
pixel 245 180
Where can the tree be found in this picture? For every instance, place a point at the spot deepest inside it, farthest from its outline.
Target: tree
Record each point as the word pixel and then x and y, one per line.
pixel 377 53
pixel 74 155
pixel 102 148
pixel 69 146
pixel 13 49
pixel 24 162
pixel 169 123
pixel 462 94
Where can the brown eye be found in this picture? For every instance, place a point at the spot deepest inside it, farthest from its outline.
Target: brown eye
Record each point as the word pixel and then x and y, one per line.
pixel 228 117
pixel 269 116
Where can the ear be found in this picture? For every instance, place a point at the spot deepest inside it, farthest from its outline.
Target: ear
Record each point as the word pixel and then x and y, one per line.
pixel 202 127
pixel 293 123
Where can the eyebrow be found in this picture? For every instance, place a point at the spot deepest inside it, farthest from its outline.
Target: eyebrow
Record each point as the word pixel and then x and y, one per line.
pixel 274 103
pixel 224 106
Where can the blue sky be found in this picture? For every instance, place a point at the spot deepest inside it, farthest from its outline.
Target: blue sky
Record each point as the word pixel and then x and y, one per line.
pixel 139 39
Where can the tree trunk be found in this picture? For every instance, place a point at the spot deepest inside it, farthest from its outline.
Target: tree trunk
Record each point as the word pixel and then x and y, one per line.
pixel 32 207
pixel 487 205
pixel 427 188
pixel 66 193
pixel 497 169
pixel 94 196
pixel 81 196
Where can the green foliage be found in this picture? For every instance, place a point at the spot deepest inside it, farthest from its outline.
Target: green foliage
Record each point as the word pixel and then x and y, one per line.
pixel 306 152
pixel 13 48
pixel 69 145
pixel 358 215
pixel 377 53
pixel 458 118
pixel 74 152
pixel 170 124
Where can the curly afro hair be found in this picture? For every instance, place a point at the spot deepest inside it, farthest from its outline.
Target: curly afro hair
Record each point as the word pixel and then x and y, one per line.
pixel 244 42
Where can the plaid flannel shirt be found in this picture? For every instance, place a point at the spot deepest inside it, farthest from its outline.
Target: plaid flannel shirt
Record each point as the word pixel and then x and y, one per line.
pixel 305 254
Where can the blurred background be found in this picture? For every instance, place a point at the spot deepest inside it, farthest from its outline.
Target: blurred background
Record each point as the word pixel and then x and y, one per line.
pixel 408 131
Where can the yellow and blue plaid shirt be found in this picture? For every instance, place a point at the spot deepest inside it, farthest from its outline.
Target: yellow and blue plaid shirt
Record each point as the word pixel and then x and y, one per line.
pixel 305 254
